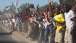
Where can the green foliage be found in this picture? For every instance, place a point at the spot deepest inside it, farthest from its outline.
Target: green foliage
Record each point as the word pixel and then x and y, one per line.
pixel 5 11
pixel 1 12
pixel 47 6
pixel 68 2
pixel 55 4
pixel 25 6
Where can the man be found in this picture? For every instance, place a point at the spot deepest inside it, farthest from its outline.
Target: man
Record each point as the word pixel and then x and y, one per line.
pixel 26 17
pixel 18 24
pixel 59 19
pixel 74 29
pixel 69 25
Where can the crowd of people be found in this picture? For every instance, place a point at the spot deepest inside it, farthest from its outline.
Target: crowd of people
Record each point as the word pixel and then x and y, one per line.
pixel 52 25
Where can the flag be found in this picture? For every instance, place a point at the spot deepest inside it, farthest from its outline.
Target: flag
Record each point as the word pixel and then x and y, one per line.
pixel 16 3
pixel 8 8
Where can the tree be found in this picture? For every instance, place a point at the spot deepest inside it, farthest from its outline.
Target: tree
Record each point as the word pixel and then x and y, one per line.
pixel 55 4
pixel 11 12
pixel 68 2
pixel 1 12
pixel 5 11
pixel 47 6
pixel 23 6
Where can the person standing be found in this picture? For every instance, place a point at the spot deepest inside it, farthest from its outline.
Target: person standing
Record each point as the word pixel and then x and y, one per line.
pixel 69 25
pixel 18 24
pixel 59 19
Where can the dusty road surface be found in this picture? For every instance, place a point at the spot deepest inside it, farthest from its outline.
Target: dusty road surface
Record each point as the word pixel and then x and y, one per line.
pixel 11 37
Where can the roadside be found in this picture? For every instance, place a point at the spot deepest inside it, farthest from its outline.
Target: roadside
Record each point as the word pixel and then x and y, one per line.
pixel 19 36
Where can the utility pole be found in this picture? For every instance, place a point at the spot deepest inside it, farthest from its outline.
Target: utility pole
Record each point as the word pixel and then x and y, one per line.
pixel 27 3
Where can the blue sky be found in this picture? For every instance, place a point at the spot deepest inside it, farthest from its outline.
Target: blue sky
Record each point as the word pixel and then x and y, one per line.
pixel 4 3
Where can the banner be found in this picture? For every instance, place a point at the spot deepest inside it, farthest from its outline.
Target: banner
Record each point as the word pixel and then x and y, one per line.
pixel 16 3
pixel 8 8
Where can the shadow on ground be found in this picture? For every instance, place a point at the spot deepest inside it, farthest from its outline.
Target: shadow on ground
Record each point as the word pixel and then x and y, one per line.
pixel 10 33
pixel 6 38
pixel 12 41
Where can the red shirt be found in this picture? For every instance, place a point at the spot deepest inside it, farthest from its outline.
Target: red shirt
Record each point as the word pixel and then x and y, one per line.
pixel 26 18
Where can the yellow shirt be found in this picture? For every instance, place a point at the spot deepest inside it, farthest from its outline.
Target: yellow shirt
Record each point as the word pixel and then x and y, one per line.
pixel 59 18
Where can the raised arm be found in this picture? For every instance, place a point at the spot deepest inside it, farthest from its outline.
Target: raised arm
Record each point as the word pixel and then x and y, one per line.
pixel 50 3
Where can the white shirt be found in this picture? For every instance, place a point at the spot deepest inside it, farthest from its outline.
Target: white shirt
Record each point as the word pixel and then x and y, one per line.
pixel 44 23
pixel 68 16
pixel 13 20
